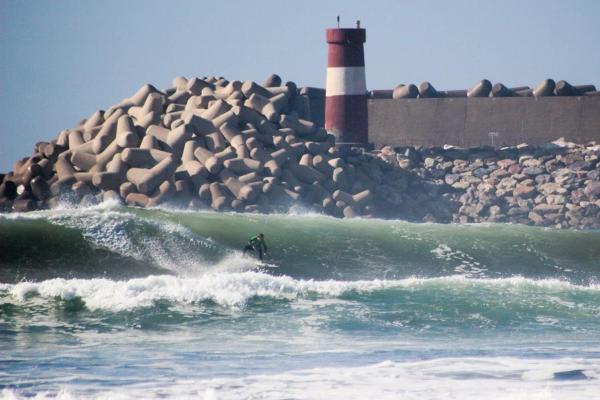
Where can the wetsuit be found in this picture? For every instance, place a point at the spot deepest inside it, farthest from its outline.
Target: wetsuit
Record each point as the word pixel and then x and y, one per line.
pixel 256 244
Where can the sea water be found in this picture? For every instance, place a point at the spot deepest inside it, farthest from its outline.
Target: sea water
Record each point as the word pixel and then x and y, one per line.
pixel 113 302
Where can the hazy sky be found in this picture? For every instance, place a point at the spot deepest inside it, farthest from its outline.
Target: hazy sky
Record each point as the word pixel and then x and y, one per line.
pixel 62 60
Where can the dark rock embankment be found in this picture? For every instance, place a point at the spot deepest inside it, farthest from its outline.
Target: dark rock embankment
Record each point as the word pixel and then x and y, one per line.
pixel 555 185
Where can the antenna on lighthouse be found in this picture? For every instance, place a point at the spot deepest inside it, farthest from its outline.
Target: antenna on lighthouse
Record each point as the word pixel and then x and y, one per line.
pixel 338 21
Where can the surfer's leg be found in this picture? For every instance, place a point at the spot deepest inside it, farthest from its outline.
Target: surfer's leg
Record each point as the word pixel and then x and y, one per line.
pixel 260 254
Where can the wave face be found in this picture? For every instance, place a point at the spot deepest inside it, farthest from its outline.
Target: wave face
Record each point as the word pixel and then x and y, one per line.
pixel 133 242
pixel 115 302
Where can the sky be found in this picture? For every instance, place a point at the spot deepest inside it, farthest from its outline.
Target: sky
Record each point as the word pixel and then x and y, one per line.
pixel 62 60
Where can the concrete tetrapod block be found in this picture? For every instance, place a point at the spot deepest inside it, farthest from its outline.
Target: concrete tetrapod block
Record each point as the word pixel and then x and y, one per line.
pixel 204 193
pixel 83 161
pixel 201 125
pixel 219 197
pixel 75 139
pixel 273 168
pixel 215 141
pixel 564 88
pixel 281 102
pixel 126 132
pixel 137 199
pixel 107 133
pixel 97 118
pixel 135 175
pixel 151 118
pixel 247 115
pixel 321 164
pixel 84 177
pixel 139 98
pixel 178 98
pixel 64 170
pixel 157 174
pixel 250 177
pixel 242 191
pixel 227 117
pixel 226 154
pixel 409 91
pixel 281 155
pixel 232 134
pixel 180 83
pixel 340 195
pixel 46 167
pixel 350 212
pixel 242 152
pixel 177 138
pixel 304 173
pixel 249 88
pixel 126 188
pixel 260 154
pixel 157 132
pixel 163 193
pixel 40 188
pixel 52 150
pixel 228 90
pixel 104 157
pixel 217 108
pixel 426 90
pixel 23 205
pixel 306 160
pixel 195 85
pixel 243 165
pixel 363 198
pixel 301 126
pixel 272 80
pixel 480 89
pixel 149 142
pixel 341 178
pixel 208 159
pixel 107 180
pixel 174 108
pixel 499 90
pixel 143 158
pixel 544 88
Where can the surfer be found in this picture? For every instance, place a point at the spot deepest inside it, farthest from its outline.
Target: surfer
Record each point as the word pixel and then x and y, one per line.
pixel 257 243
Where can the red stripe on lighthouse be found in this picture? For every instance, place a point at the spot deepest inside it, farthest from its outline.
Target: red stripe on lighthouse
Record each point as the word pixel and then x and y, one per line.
pixel 346 100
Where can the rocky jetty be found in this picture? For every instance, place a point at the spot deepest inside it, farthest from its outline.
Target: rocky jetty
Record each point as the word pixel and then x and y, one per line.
pixel 211 143
pixel 554 185
pixel 203 143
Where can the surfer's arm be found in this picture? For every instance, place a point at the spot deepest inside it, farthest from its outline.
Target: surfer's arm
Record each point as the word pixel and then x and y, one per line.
pixel 264 244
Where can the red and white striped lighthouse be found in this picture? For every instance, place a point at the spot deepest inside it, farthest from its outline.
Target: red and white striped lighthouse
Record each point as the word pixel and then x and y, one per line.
pixel 346 89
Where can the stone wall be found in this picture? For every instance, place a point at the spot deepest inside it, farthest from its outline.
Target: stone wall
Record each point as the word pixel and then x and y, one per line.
pixel 469 122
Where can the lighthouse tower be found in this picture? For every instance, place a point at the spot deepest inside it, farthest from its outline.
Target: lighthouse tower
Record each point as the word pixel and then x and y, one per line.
pixel 346 88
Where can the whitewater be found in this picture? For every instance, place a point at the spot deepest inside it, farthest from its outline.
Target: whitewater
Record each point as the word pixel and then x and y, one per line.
pixel 112 302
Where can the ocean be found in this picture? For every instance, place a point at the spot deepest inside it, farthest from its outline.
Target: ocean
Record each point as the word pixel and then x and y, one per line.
pixel 111 302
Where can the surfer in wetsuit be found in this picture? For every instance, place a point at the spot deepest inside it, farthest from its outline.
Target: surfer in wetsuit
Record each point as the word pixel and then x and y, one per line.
pixel 257 243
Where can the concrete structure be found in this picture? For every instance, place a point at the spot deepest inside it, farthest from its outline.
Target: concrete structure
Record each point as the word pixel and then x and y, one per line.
pixel 478 121
pixel 346 92
pixel 474 121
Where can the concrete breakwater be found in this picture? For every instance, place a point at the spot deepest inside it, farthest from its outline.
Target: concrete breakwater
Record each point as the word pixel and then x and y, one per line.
pixel 554 185
pixel 211 143
pixel 203 143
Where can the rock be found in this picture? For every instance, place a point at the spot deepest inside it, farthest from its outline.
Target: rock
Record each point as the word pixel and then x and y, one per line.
pixel 532 171
pixel 536 218
pixel 592 190
pixel 524 191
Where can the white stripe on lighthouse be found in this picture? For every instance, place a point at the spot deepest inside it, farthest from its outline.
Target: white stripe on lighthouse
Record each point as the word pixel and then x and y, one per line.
pixel 345 81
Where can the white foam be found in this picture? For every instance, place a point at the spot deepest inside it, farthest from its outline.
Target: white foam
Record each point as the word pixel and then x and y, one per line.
pixel 492 378
pixel 234 289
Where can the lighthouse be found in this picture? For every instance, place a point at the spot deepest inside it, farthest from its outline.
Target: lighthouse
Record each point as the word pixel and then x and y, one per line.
pixel 346 88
